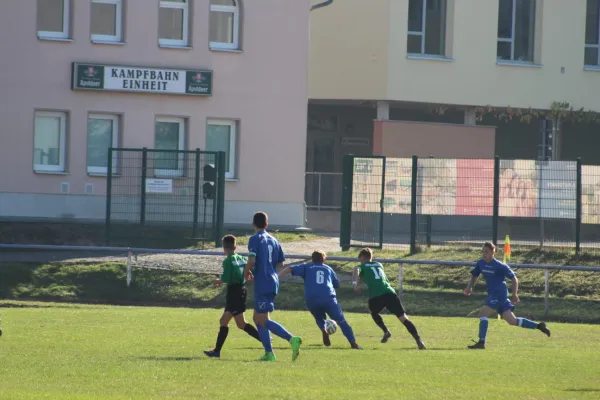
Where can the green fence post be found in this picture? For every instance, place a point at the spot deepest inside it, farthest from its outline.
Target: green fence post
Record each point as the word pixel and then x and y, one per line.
pixel 578 209
pixel 346 212
pixel 495 209
pixel 382 203
pixel 196 193
pixel 413 206
pixel 109 173
pixel 143 187
pixel 220 198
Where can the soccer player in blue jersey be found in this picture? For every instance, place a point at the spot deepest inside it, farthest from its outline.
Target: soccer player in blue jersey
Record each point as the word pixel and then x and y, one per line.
pixel 265 257
pixel 320 282
pixel 495 273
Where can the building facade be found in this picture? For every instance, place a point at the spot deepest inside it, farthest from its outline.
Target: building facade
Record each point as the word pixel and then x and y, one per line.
pixel 81 76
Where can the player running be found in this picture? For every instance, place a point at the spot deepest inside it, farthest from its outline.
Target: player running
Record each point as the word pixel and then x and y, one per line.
pixel 235 305
pixel 320 282
pixel 495 273
pixel 381 295
pixel 265 257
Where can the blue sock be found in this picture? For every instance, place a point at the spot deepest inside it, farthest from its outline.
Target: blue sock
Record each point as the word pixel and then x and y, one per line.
pixel 483 327
pixel 526 323
pixel 278 330
pixel 347 331
pixel 265 338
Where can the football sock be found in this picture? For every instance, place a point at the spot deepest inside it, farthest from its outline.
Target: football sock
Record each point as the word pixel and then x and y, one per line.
pixel 278 330
pixel 265 338
pixel 223 331
pixel 379 321
pixel 483 327
pixel 410 327
pixel 251 330
pixel 347 331
pixel 526 323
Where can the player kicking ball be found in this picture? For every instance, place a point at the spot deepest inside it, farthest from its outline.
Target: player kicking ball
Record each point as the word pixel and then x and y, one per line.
pixel 495 273
pixel 381 295
pixel 265 257
pixel 320 282
pixel 235 306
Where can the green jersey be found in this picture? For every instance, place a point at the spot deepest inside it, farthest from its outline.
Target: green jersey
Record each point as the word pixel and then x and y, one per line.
pixel 233 269
pixel 373 275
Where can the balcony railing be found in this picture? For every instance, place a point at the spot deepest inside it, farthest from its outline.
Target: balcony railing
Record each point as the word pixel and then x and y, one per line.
pixel 322 190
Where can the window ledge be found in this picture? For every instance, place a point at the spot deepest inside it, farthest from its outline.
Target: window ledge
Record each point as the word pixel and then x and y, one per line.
pixel 108 42
pixel 429 57
pixel 518 64
pixel 50 172
pixel 100 175
pixel 53 39
pixel 224 50
pixel 232 179
pixel 591 68
pixel 171 46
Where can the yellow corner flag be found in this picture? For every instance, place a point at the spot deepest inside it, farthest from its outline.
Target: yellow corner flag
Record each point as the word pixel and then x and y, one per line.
pixel 506 253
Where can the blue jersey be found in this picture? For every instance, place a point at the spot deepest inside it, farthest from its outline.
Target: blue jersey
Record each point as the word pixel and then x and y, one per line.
pixel 320 282
pixel 267 254
pixel 495 274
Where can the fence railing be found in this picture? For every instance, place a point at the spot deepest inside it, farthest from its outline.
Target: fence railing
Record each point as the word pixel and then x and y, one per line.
pixel 322 190
pixel 132 251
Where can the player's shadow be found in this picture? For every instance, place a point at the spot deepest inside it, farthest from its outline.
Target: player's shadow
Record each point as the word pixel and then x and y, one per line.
pixel 259 348
pixel 582 390
pixel 155 358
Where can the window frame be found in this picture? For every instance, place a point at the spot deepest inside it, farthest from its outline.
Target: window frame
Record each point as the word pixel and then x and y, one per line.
pixel 118 37
pixel 232 124
pixel 62 135
pixel 423 31
pixel 235 10
pixel 185 6
pixel 114 143
pixel 511 40
pixel 65 34
pixel 172 173
pixel 593 46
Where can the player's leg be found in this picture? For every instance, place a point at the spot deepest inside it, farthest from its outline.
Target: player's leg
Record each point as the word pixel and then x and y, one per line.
pixel 376 305
pixel 394 305
pixel 223 332
pixel 319 315
pixel 279 330
pixel 261 315
pixel 335 312
pixel 511 319
pixel 484 314
pixel 240 321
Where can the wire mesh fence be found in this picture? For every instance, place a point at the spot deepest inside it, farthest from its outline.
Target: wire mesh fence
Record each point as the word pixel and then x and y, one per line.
pixel 400 202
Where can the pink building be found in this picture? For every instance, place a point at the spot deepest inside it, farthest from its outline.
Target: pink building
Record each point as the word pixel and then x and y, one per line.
pixel 80 76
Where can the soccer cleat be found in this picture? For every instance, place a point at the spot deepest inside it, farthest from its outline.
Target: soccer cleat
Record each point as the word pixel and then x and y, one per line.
pixel 212 353
pixel 542 327
pixel 477 346
pixel 386 337
pixel 326 340
pixel 355 346
pixel 421 345
pixel 269 356
pixel 295 341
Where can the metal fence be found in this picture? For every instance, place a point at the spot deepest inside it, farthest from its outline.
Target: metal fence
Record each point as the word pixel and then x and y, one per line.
pixel 322 191
pixel 389 202
pixel 165 193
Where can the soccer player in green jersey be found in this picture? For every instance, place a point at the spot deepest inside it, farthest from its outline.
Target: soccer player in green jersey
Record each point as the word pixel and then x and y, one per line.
pixel 233 276
pixel 381 295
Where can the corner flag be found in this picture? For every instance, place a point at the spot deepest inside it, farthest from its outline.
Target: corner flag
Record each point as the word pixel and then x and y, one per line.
pixel 506 252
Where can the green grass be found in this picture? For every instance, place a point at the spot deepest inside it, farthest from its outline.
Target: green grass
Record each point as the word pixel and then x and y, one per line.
pixel 69 352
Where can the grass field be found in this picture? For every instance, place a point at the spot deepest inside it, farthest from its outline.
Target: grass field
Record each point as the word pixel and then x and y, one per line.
pixel 54 351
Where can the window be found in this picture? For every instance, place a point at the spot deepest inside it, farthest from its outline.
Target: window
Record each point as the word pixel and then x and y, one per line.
pixel 107 21
pixel 49 145
pixel 427 27
pixel 53 19
pixel 592 33
pixel 169 135
pixel 224 24
pixel 102 133
pixel 516 27
pixel 173 18
pixel 221 136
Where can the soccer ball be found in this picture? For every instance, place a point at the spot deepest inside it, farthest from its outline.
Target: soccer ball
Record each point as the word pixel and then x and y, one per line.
pixel 330 326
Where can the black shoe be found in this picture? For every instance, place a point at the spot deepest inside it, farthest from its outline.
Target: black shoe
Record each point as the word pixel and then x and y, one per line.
pixel 542 327
pixel 355 346
pixel 212 353
pixel 421 345
pixel 477 346
pixel 386 337
pixel 0 331
pixel 326 340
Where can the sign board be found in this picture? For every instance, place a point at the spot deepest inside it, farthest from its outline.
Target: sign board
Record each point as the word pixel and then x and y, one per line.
pixel 121 78
pixel 159 185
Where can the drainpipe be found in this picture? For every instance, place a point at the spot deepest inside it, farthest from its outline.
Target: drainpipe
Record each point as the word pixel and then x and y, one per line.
pixel 321 5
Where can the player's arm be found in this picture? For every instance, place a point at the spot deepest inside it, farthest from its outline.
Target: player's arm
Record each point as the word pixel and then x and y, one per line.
pixel 280 259
pixel 285 271
pixel 252 250
pixel 334 279
pixel 515 289
pixel 474 277
pixel 355 277
pixel 224 276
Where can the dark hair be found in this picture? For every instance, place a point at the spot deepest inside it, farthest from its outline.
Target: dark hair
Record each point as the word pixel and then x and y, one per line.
pixel 260 220
pixel 318 256
pixel 490 246
pixel 366 252
pixel 229 242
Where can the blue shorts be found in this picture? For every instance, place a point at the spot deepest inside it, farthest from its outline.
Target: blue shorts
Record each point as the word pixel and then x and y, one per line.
pixel 499 305
pixel 264 303
pixel 320 310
